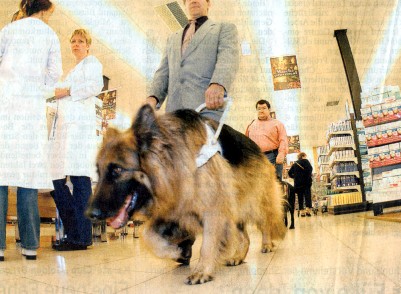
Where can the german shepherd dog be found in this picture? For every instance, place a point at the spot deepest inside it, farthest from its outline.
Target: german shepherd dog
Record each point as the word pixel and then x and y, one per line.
pixel 151 169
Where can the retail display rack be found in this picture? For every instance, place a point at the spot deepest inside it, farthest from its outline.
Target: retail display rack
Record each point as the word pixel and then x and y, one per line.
pixel 340 168
pixel 381 119
pixel 323 164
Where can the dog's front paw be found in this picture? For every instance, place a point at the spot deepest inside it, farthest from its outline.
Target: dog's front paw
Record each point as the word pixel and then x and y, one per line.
pixel 186 252
pixel 183 261
pixel 198 278
pixel 233 262
pixel 266 248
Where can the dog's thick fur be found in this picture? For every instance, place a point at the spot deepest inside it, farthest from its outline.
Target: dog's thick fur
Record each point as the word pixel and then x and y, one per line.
pixel 155 161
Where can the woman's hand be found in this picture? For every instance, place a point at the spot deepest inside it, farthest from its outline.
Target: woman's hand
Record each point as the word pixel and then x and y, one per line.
pixel 61 93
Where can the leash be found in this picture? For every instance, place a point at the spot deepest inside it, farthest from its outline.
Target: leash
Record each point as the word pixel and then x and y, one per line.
pixel 228 101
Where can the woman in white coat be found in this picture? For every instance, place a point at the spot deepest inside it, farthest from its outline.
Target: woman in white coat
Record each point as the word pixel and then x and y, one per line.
pixel 74 145
pixel 30 66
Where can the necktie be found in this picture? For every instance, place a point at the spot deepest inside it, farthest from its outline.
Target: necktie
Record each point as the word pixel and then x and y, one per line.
pixel 188 35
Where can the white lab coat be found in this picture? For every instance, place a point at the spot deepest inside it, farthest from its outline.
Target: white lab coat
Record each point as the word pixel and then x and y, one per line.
pixel 30 66
pixel 75 143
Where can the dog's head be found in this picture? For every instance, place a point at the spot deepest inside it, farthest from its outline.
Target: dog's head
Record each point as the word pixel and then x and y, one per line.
pixel 123 187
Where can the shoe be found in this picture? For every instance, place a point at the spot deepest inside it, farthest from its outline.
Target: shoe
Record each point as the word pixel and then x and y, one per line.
pixel 67 246
pixel 307 212
pixel 29 254
pixel 1 255
pixel 303 213
pixel 58 242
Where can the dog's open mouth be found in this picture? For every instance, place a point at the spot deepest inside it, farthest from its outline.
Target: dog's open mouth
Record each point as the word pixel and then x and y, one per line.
pixel 121 218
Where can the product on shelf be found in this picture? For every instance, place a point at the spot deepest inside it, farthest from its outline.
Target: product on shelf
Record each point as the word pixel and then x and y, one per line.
pixel 383 134
pixel 322 150
pixel 341 141
pixel 384 155
pixel 345 198
pixel 345 181
pixel 380 95
pixel 381 116
pixel 323 163
pixel 340 126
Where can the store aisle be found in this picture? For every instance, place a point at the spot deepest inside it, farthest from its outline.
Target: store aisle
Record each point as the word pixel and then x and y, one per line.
pixel 324 254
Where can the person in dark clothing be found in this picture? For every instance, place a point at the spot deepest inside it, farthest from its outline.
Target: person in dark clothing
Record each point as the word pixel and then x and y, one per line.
pixel 301 172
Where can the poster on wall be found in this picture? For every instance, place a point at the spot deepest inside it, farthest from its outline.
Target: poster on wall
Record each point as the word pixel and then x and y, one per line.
pixel 99 105
pixel 105 110
pixel 109 104
pixel 293 144
pixel 285 72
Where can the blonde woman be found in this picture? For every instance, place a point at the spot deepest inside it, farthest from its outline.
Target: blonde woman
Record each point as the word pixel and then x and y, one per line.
pixel 74 145
pixel 30 66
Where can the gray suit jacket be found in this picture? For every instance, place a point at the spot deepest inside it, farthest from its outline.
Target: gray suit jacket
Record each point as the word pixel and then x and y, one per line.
pixel 212 56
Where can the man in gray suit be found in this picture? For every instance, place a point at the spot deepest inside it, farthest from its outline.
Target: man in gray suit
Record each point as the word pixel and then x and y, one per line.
pixel 201 73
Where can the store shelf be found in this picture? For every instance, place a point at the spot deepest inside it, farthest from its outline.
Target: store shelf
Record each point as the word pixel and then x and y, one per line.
pixel 386 159
pixel 354 159
pixel 341 147
pixel 384 198
pixel 378 207
pixel 346 141
pixel 381 120
pixel 384 141
pixel 348 208
pixel 385 162
pixel 346 203
pixel 354 173
pixel 355 187
pixel 330 135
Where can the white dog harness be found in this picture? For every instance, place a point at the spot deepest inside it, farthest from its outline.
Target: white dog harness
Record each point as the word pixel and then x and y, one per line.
pixel 212 146
pixel 209 149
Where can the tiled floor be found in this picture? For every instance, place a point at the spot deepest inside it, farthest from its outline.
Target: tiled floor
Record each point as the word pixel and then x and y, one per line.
pixel 324 254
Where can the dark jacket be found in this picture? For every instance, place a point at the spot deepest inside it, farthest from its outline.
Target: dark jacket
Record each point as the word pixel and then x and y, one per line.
pixel 301 172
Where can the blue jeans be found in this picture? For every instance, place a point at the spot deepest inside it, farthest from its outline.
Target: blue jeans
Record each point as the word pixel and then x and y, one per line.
pixel 71 207
pixel 279 167
pixel 27 214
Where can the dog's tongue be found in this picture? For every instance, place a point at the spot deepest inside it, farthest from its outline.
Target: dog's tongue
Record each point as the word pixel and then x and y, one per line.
pixel 121 218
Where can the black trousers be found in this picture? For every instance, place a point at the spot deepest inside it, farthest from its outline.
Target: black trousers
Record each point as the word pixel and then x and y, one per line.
pixel 72 207
pixel 304 195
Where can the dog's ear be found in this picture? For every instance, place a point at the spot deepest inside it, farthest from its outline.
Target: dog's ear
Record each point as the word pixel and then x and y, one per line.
pixel 111 133
pixel 145 127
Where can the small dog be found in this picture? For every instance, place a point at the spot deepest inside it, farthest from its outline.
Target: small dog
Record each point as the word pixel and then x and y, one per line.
pixel 151 169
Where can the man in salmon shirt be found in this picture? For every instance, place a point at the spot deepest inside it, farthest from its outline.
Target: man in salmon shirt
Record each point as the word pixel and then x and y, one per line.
pixel 270 135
